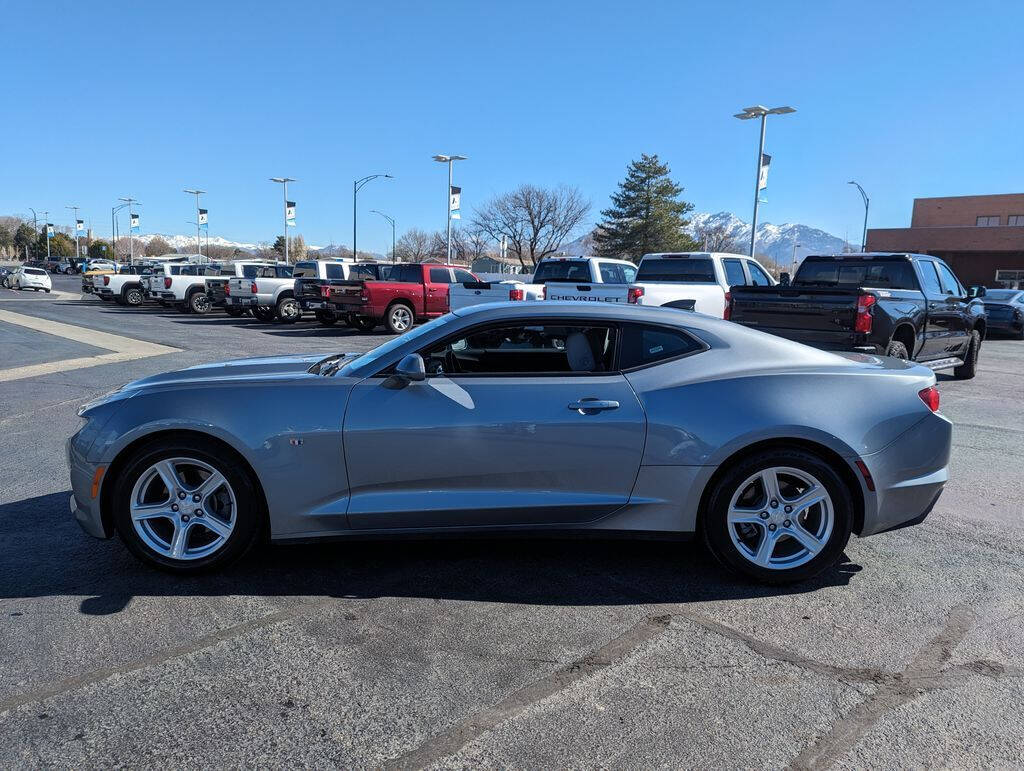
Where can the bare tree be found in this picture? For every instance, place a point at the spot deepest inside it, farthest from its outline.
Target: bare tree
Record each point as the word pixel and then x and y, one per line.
pixel 413 246
pixel 535 220
pixel 439 246
pixel 478 243
pixel 716 238
pixel 158 245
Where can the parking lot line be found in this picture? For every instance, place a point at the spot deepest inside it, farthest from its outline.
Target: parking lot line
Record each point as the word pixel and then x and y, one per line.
pixel 121 348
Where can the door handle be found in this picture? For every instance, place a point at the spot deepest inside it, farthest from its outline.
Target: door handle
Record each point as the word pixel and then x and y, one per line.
pixel 591 405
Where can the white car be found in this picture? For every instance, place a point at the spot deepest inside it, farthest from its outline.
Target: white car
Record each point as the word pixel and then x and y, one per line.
pixel 584 279
pixel 695 281
pixel 30 278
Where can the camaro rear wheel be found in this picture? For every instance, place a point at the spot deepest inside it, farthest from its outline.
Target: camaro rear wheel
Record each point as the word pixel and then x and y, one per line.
pixel 779 516
pixel 183 509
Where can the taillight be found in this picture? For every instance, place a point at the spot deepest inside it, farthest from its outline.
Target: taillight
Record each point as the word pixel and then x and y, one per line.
pixel 227 290
pixel 325 291
pixel 167 282
pixel 727 312
pixel 544 292
pixel 106 281
pixel 253 288
pixel 634 293
pixel 864 317
pixel 930 396
pixel 516 294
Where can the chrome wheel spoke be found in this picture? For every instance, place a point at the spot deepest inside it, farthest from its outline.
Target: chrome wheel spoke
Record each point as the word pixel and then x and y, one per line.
pixel 215 526
pixel 765 549
pixel 142 511
pixel 179 541
pixel 744 516
pixel 806 539
pixel 210 485
pixel 807 500
pixel 770 482
pixel 169 474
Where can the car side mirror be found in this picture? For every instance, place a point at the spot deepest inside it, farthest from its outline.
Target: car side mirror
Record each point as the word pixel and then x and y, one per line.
pixel 784 279
pixel 411 369
pixel 976 291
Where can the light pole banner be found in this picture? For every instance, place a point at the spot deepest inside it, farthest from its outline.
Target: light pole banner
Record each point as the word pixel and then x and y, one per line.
pixel 203 216
pixel 134 222
pixel 79 226
pixel 454 202
pixel 762 181
pixel 49 230
pixel 289 213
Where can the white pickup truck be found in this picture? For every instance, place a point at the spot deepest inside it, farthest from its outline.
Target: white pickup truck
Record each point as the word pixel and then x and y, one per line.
pixel 470 293
pixel 185 289
pixel 267 294
pixel 584 279
pixel 123 287
pixel 694 281
pixel 155 283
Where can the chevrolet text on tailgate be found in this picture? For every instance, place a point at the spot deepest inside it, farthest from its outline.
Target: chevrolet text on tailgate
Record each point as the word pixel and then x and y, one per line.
pixel 584 279
pixel 908 306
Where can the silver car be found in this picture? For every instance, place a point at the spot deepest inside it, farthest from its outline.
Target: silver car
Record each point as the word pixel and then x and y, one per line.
pixel 522 417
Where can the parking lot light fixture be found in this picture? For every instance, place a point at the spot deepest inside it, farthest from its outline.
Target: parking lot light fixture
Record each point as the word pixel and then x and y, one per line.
pixel 199 243
pixel 762 112
pixel 449 159
pixel 357 185
pixel 864 233
pixel 284 181
pixel 392 221
pixel 130 202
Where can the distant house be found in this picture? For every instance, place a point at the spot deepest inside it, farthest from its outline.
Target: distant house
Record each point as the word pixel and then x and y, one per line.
pixel 495 265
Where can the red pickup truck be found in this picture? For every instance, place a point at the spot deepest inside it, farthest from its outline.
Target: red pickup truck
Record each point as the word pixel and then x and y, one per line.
pixel 413 292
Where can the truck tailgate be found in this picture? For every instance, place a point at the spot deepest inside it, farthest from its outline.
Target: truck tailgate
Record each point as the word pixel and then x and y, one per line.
pixel 805 309
pixel 589 292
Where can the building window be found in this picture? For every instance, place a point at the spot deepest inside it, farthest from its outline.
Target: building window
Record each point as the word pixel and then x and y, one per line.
pixel 1015 220
pixel 988 222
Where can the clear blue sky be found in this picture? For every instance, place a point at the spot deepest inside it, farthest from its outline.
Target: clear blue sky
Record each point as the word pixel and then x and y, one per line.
pixel 110 99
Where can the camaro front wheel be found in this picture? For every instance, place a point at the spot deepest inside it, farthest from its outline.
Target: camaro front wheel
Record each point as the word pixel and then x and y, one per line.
pixel 779 516
pixel 180 508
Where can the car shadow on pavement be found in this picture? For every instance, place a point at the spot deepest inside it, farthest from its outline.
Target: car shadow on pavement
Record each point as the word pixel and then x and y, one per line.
pixel 54 557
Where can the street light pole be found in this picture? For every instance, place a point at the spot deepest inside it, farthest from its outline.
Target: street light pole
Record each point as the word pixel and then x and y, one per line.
pixel 758 111
pixel 864 234
pixel 46 225
pixel 394 258
pixel 74 224
pixel 199 243
pixel 129 201
pixel 449 159
pixel 357 185
pixel 284 182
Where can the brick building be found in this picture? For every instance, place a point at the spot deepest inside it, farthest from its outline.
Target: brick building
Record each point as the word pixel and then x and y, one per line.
pixel 980 236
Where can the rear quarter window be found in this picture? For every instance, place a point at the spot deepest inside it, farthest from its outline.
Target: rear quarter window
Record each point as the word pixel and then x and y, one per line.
pixel 644 344
pixel 682 269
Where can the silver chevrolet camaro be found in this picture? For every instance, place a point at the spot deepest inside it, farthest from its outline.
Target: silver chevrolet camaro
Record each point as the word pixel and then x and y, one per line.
pixel 535 417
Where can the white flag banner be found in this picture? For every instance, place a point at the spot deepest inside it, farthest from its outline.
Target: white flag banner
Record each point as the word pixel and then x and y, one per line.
pixel 79 225
pixel 134 222
pixel 289 213
pixel 455 201
pixel 203 216
pixel 762 180
pixel 49 230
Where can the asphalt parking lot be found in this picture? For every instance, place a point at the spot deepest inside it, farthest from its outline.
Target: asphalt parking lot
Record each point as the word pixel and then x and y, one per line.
pixel 489 653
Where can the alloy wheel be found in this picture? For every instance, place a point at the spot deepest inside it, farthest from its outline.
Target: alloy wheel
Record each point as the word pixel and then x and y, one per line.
pixel 183 509
pixel 780 518
pixel 401 318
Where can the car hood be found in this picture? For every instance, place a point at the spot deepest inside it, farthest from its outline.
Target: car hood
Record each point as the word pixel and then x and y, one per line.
pixel 262 368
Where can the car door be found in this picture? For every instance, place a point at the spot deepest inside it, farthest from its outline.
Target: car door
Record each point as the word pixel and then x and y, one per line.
pixel 941 324
pixel 957 312
pixel 435 291
pixel 513 426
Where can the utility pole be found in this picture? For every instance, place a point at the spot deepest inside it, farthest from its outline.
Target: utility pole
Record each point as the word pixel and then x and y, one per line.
pixel 199 244
pixel 757 111
pixel 394 256
pixel 357 185
pixel 449 159
pixel 46 225
pixel 864 233
pixel 129 202
pixel 284 181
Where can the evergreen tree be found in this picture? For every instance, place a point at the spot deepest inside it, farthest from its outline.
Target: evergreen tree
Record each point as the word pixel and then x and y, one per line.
pixel 646 214
pixel 25 236
pixel 100 250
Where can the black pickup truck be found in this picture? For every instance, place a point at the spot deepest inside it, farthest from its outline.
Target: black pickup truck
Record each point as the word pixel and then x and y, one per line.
pixel 909 306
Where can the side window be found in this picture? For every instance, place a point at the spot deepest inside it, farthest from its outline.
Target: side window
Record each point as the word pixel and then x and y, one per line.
pixel 929 278
pixel 440 276
pixel 757 276
pixel 611 273
pixel 628 273
pixel 283 271
pixel 949 283
pixel 525 349
pixel 643 344
pixel 408 273
pixel 734 272
pixel 335 270
pixel 463 275
pixel 305 269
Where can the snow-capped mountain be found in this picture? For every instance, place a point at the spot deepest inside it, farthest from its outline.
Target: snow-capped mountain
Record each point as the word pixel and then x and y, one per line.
pixel 775 241
pixel 189 242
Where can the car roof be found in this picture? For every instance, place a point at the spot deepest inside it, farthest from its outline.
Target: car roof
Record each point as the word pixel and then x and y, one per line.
pixel 597 311
pixel 697 254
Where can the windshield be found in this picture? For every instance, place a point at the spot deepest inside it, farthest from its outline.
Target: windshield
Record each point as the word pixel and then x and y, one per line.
pixel 562 270
pixel 382 351
pixel 1003 295
pixel 682 269
pixel 890 274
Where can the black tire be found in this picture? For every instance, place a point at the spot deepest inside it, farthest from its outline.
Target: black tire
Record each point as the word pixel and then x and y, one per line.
pixel 716 528
pixel 47 291
pixel 969 368
pixel 399 318
pixel 233 311
pixel 326 318
pixel 199 303
pixel 288 310
pixel 262 313
pixel 363 325
pixel 133 296
pixel 249 514
pixel 897 350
